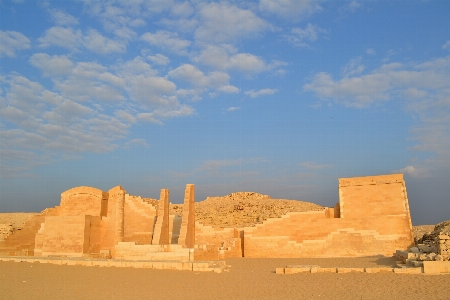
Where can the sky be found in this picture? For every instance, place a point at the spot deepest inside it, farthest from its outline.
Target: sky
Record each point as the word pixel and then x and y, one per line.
pixel 276 97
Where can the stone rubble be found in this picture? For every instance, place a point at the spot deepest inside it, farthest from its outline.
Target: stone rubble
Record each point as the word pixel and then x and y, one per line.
pixel 432 247
pixel 243 209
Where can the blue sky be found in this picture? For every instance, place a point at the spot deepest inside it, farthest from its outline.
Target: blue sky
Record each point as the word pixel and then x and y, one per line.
pixel 278 97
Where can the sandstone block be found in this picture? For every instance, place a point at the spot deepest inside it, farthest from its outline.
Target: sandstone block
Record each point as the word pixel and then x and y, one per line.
pixel 343 270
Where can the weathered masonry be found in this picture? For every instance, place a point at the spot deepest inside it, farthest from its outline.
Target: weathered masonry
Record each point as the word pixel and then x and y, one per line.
pixel 371 218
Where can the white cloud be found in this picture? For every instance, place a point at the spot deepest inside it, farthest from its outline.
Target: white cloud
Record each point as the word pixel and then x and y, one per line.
pixel 229 89
pixel 301 37
pixel 25 95
pixel 381 84
pixel 182 10
pixel 55 65
pixel 11 41
pixel 167 40
pixel 291 9
pixel 222 23
pixel 89 81
pixel 201 81
pixel 246 62
pixel 159 59
pixel 413 172
pixel 190 74
pixel 136 142
pixel 446 45
pixel 158 114
pixel 371 51
pixel 353 67
pixel 62 37
pixel 70 38
pixel 97 43
pixel 233 108
pixel 263 92
pixel 61 18
pixel 310 165
pixel 424 92
pixel 180 24
pixel 125 116
pixel 124 34
pixel 67 111
pixel 152 91
pixel 224 57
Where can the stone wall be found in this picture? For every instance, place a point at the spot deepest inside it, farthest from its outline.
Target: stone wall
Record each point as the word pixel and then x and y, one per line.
pixel 139 220
pixel 371 218
pixel 64 235
pixel 374 219
pixel 22 242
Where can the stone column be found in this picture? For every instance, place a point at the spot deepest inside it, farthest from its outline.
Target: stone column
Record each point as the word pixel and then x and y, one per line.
pixel 120 200
pixel 161 231
pixel 187 231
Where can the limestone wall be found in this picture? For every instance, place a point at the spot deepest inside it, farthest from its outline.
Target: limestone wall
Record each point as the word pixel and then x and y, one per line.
pixel 375 220
pixel 22 242
pixel 63 235
pixel 84 200
pixel 139 220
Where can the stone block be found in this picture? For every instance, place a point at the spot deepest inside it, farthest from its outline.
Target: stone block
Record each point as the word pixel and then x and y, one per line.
pixel 326 270
pixel 296 270
pixel 408 270
pixel 343 270
pixel 378 270
pixel 436 267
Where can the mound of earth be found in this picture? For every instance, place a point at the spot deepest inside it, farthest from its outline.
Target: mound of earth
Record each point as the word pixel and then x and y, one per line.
pixel 12 221
pixel 243 209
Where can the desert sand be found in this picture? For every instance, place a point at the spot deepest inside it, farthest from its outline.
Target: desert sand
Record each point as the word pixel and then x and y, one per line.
pixel 246 279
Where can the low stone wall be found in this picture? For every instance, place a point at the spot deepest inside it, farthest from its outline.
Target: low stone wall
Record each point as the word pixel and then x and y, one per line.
pixel 201 266
pixel 429 267
pixel 131 251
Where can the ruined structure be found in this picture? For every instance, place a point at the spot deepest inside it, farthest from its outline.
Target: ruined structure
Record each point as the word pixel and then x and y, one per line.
pixel 371 218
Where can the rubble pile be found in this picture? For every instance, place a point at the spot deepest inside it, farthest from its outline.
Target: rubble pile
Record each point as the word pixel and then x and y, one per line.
pixel 5 230
pixel 433 246
pixel 438 240
pixel 10 222
pixel 243 209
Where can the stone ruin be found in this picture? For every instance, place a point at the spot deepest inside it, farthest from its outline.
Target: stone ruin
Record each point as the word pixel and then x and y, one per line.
pixel 431 254
pixel 371 218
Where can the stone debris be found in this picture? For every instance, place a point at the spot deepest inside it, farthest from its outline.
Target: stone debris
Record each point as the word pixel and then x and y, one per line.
pixel 243 209
pixel 10 222
pixel 5 230
pixel 431 253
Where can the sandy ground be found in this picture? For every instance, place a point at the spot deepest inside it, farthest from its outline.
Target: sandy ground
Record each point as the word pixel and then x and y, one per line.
pixel 246 279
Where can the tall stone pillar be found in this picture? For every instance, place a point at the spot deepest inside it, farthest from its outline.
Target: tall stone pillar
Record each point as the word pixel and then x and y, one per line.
pixel 161 231
pixel 187 231
pixel 120 202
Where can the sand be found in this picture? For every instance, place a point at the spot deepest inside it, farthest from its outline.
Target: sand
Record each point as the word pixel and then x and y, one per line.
pixel 246 279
